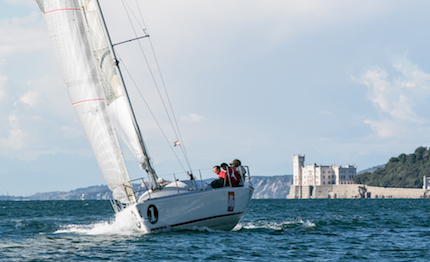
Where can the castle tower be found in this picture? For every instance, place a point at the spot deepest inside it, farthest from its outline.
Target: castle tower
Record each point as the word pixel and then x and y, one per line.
pixel 298 164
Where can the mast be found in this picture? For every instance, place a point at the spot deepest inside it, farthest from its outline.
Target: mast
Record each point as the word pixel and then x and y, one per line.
pixel 146 164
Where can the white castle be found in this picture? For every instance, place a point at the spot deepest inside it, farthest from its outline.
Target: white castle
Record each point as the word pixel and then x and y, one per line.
pixel 314 175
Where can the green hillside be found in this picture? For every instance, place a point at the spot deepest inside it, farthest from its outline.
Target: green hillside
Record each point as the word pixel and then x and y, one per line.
pixel 402 171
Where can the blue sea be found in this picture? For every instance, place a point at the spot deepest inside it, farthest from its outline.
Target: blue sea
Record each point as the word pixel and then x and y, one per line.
pixel 272 230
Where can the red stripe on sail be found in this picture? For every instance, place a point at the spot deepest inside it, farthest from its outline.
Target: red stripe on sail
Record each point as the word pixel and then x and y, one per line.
pixel 88 100
pixel 64 9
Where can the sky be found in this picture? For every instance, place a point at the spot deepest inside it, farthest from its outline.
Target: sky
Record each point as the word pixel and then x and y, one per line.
pixel 341 82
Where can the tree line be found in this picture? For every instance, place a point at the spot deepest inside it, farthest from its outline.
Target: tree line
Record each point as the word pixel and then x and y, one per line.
pixel 402 171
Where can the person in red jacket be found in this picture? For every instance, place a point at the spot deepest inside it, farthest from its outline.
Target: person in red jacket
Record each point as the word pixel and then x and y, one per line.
pixel 239 170
pixel 220 181
pixel 232 175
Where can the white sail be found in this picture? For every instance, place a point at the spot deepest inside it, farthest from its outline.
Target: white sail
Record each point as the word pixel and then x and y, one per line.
pixel 116 99
pixel 89 95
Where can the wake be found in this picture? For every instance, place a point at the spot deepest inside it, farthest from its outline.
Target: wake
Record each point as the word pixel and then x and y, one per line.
pixel 122 224
pixel 274 225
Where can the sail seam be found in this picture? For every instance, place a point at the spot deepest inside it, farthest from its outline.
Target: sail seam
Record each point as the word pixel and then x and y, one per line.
pixel 64 9
pixel 88 100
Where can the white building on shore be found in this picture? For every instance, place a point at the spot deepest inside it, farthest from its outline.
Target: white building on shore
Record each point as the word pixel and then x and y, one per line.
pixel 335 181
pixel 318 175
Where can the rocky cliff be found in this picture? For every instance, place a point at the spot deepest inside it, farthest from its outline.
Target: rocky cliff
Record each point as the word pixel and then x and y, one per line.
pixel 271 187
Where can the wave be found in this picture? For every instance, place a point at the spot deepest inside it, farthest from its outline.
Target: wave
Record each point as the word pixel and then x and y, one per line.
pixel 122 224
pixel 274 225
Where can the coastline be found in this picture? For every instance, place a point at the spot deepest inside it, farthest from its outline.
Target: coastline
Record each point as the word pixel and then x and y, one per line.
pixel 355 191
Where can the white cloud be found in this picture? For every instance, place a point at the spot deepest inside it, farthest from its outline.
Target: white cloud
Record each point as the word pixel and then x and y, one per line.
pixel 71 131
pixel 34 115
pixel 22 35
pixel 20 2
pixel 192 118
pixel 16 136
pixel 49 95
pixel 244 23
pixel 30 98
pixel 386 128
pixel 397 98
pixel 3 81
pixel 326 112
pixel 35 104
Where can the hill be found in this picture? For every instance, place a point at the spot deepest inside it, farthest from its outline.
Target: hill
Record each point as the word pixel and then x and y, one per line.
pixel 271 187
pixel 265 187
pixel 405 171
pixel 371 169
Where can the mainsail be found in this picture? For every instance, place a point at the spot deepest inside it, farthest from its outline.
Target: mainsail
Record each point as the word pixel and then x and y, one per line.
pixel 88 67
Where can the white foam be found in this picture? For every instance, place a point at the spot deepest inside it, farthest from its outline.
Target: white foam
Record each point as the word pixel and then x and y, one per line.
pixel 203 229
pixel 274 225
pixel 123 224
pixel 238 227
pixel 308 224
pixel 266 225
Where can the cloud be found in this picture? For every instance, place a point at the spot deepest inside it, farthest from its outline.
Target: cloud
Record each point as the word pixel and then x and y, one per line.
pixel 16 136
pixel 36 110
pixel 71 131
pixel 268 24
pixel 30 98
pixel 20 2
pixel 397 96
pixel 192 118
pixel 386 128
pixel 3 81
pixel 48 94
pixel 36 116
pixel 326 112
pixel 22 35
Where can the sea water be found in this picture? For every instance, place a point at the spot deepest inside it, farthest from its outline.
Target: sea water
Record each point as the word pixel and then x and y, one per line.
pixel 272 230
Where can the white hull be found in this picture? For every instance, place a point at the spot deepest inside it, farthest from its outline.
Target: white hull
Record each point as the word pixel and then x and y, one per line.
pixel 219 209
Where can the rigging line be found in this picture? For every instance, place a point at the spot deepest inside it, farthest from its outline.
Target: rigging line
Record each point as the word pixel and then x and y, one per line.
pixel 150 70
pixel 165 90
pixel 147 62
pixel 175 127
pixel 152 114
pixel 170 104
pixel 176 130
pixel 140 13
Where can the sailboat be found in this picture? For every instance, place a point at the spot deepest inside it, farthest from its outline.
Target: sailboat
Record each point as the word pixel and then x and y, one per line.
pixel 90 70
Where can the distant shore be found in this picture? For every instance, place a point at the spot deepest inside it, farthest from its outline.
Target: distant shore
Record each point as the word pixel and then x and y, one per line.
pixel 265 187
pixel 355 191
